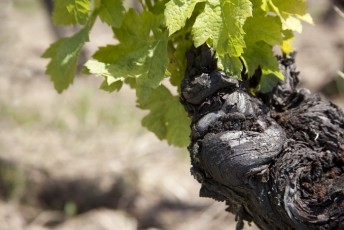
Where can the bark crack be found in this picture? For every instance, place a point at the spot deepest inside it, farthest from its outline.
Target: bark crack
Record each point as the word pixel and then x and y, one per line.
pixel 276 159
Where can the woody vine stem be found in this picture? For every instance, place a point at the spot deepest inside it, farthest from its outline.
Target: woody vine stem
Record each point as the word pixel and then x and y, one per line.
pixel 272 151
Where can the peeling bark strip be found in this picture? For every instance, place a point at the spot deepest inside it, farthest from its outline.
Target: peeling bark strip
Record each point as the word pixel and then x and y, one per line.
pixel 276 159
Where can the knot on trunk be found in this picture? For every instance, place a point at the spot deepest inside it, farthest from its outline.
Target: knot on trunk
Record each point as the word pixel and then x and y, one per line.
pixel 276 159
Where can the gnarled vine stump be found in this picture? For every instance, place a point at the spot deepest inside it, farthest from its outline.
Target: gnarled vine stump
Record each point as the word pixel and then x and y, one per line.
pixel 277 159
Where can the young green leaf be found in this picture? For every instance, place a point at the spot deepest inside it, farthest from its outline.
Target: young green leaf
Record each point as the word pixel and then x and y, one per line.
pixel 262 27
pixel 138 27
pixel 295 7
pixel 177 12
pixel 269 80
pixel 71 12
pixel 115 86
pixel 221 26
pixel 64 58
pixel 177 61
pixel 110 83
pixel 167 117
pixel 260 55
pixel 231 65
pixel 145 62
pixel 241 32
pixel 140 54
pixel 289 12
pixel 111 12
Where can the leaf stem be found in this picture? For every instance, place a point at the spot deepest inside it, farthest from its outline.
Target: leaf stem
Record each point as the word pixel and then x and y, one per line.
pixel 143 5
pixel 92 19
pixel 149 5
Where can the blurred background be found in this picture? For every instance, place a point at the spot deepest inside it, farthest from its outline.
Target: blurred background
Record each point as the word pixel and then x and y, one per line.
pixel 81 160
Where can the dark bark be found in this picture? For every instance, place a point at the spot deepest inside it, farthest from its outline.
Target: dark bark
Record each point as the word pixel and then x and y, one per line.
pixel 276 159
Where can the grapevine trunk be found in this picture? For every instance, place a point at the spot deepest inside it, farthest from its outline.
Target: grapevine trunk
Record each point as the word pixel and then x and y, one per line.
pixel 276 159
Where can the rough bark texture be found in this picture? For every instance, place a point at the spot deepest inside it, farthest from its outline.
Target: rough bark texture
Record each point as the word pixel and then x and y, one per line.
pixel 276 159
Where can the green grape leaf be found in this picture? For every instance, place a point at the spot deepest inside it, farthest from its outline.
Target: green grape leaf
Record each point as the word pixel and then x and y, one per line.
pixel 159 7
pixel 97 68
pixel 296 7
pixel 177 12
pixel 116 86
pixel 111 12
pixel 71 12
pixel 262 27
pixel 64 58
pixel 140 60
pixel 109 53
pixel 220 25
pixel 177 62
pixel 167 117
pixel 154 64
pixel 109 84
pixel 152 43
pixel 102 69
pixel 260 55
pixel 289 12
pixel 140 54
pixel 269 80
pixel 145 62
pixel 287 34
pixel 231 65
pixel 138 27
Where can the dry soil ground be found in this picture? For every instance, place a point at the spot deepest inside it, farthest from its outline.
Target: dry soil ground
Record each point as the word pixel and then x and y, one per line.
pixel 81 160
